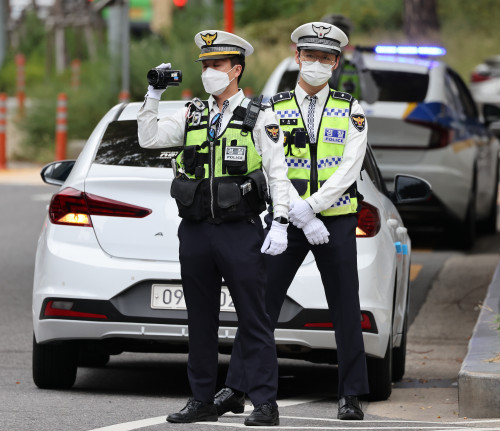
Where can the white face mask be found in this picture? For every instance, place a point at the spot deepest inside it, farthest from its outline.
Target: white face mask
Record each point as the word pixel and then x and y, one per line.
pixel 315 73
pixel 215 81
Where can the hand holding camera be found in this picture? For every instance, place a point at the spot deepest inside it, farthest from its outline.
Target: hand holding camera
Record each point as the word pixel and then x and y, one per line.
pixel 160 78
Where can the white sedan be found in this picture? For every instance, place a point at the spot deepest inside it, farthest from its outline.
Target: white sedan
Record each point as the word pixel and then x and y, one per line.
pixel 107 274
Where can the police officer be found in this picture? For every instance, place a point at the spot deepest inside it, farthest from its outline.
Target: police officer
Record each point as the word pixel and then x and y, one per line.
pixel 346 77
pixel 325 143
pixel 220 190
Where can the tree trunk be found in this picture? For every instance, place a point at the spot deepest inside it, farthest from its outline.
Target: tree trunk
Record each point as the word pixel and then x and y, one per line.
pixel 421 21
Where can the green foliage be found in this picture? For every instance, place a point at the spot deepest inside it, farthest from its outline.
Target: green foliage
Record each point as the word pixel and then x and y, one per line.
pixel 469 32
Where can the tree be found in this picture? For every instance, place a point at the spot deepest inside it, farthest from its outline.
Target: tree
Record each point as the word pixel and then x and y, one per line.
pixel 421 22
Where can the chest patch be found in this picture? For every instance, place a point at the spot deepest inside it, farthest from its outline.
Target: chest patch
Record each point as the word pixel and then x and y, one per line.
pixel 334 136
pixel 235 154
pixel 288 121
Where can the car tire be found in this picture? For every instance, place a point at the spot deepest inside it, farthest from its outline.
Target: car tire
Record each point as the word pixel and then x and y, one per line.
pixel 489 225
pixel 54 365
pixel 465 234
pixel 399 354
pixel 380 375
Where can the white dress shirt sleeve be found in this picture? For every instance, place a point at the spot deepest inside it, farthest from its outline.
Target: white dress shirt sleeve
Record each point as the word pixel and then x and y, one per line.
pixel 349 169
pixel 167 132
pixel 273 162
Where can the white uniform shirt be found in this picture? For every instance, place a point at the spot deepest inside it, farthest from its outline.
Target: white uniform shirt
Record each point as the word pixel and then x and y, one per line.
pixel 352 159
pixel 169 132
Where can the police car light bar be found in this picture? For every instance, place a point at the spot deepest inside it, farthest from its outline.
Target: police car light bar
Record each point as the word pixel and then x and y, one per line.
pixel 410 50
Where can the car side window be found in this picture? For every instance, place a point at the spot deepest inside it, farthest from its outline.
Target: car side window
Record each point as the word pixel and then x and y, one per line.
pixel 371 168
pixel 466 100
pixel 453 97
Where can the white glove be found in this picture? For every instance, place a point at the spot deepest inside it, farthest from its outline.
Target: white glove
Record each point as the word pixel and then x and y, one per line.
pixel 301 213
pixel 316 232
pixel 155 93
pixel 276 240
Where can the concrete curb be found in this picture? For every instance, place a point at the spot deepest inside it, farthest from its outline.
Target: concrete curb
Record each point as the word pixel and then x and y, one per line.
pixel 479 376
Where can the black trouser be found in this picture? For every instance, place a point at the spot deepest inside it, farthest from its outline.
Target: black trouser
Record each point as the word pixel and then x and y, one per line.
pixel 337 264
pixel 231 250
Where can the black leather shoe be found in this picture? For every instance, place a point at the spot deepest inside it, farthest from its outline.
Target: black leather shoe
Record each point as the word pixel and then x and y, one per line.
pixel 349 409
pixel 229 400
pixel 263 415
pixel 195 411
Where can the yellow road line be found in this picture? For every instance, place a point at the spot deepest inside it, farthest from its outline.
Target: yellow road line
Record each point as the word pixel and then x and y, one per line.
pixel 415 270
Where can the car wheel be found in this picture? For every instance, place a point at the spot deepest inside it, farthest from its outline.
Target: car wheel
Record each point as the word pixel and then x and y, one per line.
pixel 380 375
pixel 489 225
pixel 465 234
pixel 54 365
pixel 399 355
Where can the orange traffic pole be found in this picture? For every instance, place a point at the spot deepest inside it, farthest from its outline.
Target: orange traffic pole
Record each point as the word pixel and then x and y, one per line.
pixel 75 73
pixel 3 130
pixel 228 16
pixel 61 127
pixel 20 63
pixel 124 96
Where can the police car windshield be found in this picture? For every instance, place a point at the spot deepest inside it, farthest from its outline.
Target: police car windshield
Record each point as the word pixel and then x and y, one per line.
pixel 120 146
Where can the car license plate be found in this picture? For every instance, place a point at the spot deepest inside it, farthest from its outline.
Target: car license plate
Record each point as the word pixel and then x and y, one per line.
pixel 171 297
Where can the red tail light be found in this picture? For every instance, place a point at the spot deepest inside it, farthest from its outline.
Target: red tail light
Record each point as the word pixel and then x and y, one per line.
pixel 63 309
pixel 366 323
pixel 479 77
pixel 440 136
pixel 368 221
pixel 73 207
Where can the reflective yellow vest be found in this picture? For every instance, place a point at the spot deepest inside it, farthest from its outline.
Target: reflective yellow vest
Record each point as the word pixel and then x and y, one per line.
pixel 310 165
pixel 221 180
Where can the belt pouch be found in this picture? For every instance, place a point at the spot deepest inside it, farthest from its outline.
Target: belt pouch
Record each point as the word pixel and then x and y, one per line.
pixel 190 159
pixel 189 198
pixel 228 195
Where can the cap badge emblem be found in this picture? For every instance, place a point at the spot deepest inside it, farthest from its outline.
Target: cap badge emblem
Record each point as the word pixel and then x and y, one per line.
pixel 209 38
pixel 321 31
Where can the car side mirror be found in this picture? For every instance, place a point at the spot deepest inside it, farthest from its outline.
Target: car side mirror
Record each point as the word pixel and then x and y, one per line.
pixel 410 189
pixel 491 114
pixel 55 173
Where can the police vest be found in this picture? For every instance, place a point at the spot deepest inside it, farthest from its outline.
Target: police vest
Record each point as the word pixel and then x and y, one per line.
pixel 221 179
pixel 310 165
pixel 349 80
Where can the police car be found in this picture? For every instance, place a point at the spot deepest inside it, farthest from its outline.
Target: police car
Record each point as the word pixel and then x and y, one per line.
pixel 107 274
pixel 423 121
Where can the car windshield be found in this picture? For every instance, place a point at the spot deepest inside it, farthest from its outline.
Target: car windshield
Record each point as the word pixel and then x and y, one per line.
pixel 397 86
pixel 288 81
pixel 120 146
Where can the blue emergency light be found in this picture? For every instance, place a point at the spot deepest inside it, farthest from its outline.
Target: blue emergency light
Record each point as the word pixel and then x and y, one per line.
pixel 410 50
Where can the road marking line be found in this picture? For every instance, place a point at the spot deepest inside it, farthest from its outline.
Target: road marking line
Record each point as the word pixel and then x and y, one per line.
pixel 415 269
pixel 410 424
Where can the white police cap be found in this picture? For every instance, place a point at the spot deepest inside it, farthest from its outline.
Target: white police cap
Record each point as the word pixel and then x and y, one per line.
pixel 216 44
pixel 320 36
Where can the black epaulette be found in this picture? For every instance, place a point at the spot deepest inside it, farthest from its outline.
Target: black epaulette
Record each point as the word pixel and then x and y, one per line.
pixel 341 95
pixel 285 95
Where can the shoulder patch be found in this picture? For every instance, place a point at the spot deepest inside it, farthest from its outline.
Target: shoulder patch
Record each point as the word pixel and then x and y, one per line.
pixel 285 95
pixel 358 121
pixel 342 95
pixel 273 131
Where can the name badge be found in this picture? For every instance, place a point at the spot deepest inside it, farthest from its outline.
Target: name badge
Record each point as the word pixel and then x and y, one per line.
pixel 235 154
pixel 334 136
pixel 288 122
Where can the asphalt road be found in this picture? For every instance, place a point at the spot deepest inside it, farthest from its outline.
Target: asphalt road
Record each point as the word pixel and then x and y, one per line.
pixel 136 391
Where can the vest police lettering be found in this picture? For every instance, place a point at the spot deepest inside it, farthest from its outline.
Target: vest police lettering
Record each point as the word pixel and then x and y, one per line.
pixel 216 174
pixel 310 165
